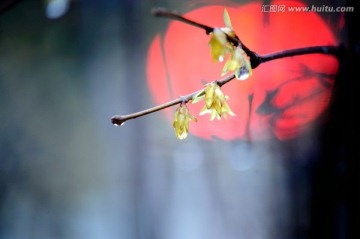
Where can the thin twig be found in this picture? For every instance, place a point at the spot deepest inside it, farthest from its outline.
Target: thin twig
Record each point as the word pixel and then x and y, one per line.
pixel 120 119
pixel 162 12
pixel 330 50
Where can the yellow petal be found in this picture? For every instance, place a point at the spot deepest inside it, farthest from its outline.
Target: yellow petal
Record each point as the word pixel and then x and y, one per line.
pixel 226 109
pixel 217 49
pixel 209 95
pixel 220 35
pixel 199 96
pixel 219 93
pixel 227 19
pixel 180 131
pixel 218 45
pixel 231 65
pixel 186 126
pixel 213 115
pixel 205 110
pixel 226 68
pixel 181 122
pixel 182 136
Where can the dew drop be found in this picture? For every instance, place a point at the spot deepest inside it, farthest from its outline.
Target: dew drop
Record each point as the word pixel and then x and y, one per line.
pixel 117 121
pixel 243 73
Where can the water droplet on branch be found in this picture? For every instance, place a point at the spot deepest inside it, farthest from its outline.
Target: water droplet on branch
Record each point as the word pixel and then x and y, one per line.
pixel 118 120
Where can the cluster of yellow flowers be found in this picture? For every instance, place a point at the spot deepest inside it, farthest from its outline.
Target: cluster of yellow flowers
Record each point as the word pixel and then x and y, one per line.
pixel 182 120
pixel 238 61
pixel 215 100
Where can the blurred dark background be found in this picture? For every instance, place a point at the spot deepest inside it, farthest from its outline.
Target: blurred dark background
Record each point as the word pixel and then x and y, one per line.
pixel 66 172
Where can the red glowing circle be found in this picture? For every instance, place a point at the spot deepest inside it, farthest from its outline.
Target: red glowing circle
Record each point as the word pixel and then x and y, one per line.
pixel 282 98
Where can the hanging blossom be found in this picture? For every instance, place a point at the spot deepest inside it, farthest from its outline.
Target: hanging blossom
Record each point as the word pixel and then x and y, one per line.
pixel 182 120
pixel 238 62
pixel 215 102
pixel 219 45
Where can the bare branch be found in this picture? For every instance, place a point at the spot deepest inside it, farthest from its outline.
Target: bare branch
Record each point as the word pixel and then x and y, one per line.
pixel 255 60
pixel 162 12
pixel 120 119
pixel 330 50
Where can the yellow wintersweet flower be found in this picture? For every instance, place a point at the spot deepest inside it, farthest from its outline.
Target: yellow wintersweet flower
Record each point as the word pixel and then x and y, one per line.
pixel 218 41
pixel 239 62
pixel 181 121
pixel 215 102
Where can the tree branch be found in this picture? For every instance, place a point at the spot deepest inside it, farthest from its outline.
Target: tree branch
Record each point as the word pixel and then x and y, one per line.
pixel 120 119
pixel 6 4
pixel 162 12
pixel 255 60
pixel 330 50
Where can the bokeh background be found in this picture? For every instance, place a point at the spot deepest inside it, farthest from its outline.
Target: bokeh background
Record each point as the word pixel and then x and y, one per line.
pixel 66 172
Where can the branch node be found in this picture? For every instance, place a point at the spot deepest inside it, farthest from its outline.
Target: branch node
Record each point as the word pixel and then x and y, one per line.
pixel 184 99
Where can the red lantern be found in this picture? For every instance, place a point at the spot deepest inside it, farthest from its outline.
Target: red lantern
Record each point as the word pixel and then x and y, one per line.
pixel 283 98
